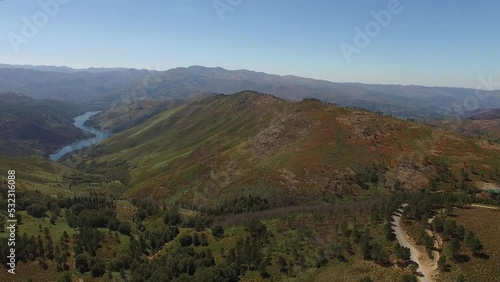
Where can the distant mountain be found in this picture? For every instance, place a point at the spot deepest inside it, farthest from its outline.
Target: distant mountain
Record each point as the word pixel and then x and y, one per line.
pixel 486 129
pixel 78 86
pixel 41 127
pixel 102 88
pixel 303 152
pixel 62 69
pixel 480 124
pixel 491 114
pixel 398 100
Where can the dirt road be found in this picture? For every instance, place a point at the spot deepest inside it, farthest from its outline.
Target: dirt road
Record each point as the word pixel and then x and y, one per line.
pixel 426 267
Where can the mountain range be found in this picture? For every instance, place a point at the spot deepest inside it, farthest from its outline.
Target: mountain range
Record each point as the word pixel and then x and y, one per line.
pixel 99 88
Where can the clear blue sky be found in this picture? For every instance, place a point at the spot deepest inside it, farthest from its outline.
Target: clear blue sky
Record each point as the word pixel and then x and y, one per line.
pixel 443 43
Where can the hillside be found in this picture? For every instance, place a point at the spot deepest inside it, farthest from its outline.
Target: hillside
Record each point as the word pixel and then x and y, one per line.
pixel 491 114
pixel 486 129
pixel 126 115
pixel 226 188
pixel 289 152
pixel 483 124
pixel 29 126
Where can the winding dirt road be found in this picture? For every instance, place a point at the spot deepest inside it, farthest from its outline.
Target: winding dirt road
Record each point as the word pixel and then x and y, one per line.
pixel 426 267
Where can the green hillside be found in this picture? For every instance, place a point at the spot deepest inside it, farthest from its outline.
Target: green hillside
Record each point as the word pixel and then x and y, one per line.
pixel 289 152
pixel 246 187
pixel 126 115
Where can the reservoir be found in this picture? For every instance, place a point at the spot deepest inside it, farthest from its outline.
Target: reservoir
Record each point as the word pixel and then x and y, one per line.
pixel 77 145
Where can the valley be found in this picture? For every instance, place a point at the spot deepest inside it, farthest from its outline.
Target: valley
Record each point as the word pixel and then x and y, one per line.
pixel 249 141
pixel 227 187
pixel 80 144
pixel 41 127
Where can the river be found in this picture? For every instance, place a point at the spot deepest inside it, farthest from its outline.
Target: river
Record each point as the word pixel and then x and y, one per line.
pixel 80 144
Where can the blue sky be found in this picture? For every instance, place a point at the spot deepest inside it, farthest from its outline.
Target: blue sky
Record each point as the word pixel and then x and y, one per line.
pixel 438 43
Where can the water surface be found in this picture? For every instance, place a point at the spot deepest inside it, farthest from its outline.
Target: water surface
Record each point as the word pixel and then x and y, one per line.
pixel 80 144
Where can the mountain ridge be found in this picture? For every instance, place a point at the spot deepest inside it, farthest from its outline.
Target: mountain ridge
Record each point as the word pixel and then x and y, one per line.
pixel 292 152
pixel 491 114
pixel 103 89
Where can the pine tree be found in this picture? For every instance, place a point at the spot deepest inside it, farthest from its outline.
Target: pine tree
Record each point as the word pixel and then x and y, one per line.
pixel 454 247
pixel 196 240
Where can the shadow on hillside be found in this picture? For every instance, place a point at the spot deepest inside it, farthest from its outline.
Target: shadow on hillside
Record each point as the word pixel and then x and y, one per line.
pixel 482 256
pixel 462 258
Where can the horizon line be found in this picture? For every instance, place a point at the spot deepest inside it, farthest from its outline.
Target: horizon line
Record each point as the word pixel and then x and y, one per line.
pixel 111 69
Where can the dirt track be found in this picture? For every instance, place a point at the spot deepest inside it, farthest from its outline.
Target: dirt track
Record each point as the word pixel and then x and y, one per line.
pixel 427 267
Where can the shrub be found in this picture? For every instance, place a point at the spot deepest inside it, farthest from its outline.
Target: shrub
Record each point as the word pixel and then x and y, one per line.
pixel 186 241
pixel 98 269
pixel 124 228
pixel 218 231
pixel 36 210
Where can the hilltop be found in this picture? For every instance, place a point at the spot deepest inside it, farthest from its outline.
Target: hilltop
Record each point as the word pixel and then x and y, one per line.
pixel 289 152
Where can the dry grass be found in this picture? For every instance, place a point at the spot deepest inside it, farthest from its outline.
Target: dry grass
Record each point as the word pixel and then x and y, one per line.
pixel 356 269
pixel 125 210
pixel 485 224
pixel 30 271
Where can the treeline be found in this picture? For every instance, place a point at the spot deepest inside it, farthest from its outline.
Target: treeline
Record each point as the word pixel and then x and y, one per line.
pixel 368 176
pixel 110 171
pixel 456 235
pixel 193 260
pixel 84 213
pixel 421 206
pixel 240 205
pixel 433 208
pixel 296 242
pixel 93 211
pixel 41 249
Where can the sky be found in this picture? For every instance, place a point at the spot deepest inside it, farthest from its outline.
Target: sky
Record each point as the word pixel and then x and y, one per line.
pixel 419 42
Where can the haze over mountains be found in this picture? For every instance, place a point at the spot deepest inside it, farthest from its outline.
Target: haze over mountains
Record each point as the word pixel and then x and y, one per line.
pixel 486 115
pixel 103 87
pixel 295 141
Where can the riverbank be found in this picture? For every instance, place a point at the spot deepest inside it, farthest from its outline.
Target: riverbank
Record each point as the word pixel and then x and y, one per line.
pixel 97 136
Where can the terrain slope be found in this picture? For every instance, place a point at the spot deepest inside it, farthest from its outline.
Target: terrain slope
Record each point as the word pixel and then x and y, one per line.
pixel 41 127
pixel 290 152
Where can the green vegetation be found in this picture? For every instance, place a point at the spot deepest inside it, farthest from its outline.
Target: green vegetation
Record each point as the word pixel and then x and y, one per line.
pixel 41 127
pixel 203 192
pixel 458 245
pixel 126 115
pixel 209 152
pixel 189 246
